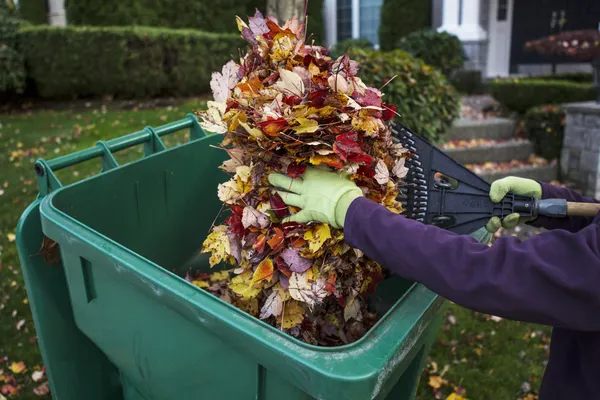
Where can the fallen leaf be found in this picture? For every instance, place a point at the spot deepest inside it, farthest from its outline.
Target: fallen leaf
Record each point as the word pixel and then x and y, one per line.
pixel 332 160
pixel 37 376
pixel 242 286
pixel 278 205
pixel 11 237
pixel 222 82
pixel 455 396
pixel 229 192
pixel 382 174
pixel 42 390
pixel 17 367
pixel 20 324
pixel 201 284
pixel 290 83
pixel 258 24
pixel 292 315
pixel 300 288
pixel 452 319
pixel 317 236
pixel 50 251
pixel 295 261
pixel 352 310
pixel 273 306
pixel 305 125
pixel 264 271
pixel 399 169
pixel 276 240
pixel 295 170
pixel 436 382
pixel 217 243
pixel 253 217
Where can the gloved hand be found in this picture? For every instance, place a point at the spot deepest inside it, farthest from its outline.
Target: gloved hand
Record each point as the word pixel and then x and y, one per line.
pixel 519 186
pixel 322 195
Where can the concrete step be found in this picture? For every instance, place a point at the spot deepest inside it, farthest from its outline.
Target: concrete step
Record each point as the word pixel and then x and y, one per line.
pixel 544 173
pixel 496 151
pixel 491 128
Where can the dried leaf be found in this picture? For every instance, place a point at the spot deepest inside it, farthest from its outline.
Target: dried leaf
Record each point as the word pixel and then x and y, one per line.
pixel 37 376
pixel 201 284
pixel 264 271
pixel 296 170
pixel 455 396
pixel 305 125
pixel 50 251
pixel 399 169
pixel 42 390
pixel 17 367
pixel 273 306
pixel 276 240
pixel 292 315
pixel 278 206
pixel 218 244
pixel 300 288
pixel 332 160
pixel 229 192
pixel 436 382
pixel 258 24
pixel 382 174
pixel 352 310
pixel 290 83
pixel 295 261
pixel 223 82
pixel 253 217
pixel 317 236
pixel 242 286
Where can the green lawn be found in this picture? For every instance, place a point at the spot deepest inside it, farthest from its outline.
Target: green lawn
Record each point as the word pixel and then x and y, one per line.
pixel 488 358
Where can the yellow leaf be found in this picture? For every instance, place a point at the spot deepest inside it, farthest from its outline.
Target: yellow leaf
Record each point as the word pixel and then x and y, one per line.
pixel 241 285
pixel 11 237
pixel 455 396
pixel 243 173
pixel 230 191
pixel 264 271
pixel 306 125
pixel 17 367
pixel 250 306
pixel 436 382
pixel 201 284
pixel 216 243
pixel 292 315
pixel 255 132
pixel 317 236
pixel 219 276
pixel 240 23
pixel 365 122
pixel 331 159
pixel 282 46
pixel 313 69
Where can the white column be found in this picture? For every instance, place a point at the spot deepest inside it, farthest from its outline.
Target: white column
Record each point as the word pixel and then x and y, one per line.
pixel 330 18
pixel 450 10
pixel 56 15
pixel 470 29
pixel 355 19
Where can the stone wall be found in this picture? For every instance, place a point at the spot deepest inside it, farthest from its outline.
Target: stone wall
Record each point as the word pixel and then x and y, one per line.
pixel 580 158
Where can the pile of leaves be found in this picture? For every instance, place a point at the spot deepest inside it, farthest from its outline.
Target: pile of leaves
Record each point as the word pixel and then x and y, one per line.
pixel 286 106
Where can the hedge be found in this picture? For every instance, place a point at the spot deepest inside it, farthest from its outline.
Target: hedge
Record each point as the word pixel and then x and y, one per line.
pixel 340 48
pixel 425 101
pixel 34 11
pixel 545 127
pixel 581 77
pixel 522 94
pixel 468 82
pixel 124 61
pixel 441 50
pixel 12 68
pixel 400 18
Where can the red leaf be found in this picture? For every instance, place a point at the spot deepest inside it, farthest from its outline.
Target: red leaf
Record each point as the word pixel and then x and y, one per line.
pixel 370 98
pixel 276 241
pixel 330 285
pixel 317 97
pixel 346 146
pixel 366 170
pixel 292 228
pixel 295 170
pixel 292 100
pixel 389 111
pixel 235 225
pixel 239 210
pixel 259 245
pixel 273 126
pixel 279 206
pixel 282 267
pixel 308 59
pixel 271 79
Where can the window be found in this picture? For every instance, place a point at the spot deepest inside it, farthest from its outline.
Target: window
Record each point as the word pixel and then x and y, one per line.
pixel 344 19
pixel 370 12
pixel 502 10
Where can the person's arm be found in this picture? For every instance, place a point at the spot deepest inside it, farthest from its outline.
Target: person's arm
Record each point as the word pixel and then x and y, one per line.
pixel 552 278
pixel 571 224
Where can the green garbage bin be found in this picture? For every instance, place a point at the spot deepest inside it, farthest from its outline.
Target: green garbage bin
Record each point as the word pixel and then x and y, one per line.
pixel 116 320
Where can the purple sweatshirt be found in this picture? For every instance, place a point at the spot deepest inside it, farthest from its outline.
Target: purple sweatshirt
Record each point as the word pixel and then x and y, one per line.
pixel 552 278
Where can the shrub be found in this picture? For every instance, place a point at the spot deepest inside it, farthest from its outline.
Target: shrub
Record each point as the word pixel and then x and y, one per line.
pixel 12 68
pixel 342 47
pixel 425 101
pixel 581 77
pixel 523 94
pixel 125 62
pixel 544 126
pixel 34 11
pixel 467 81
pixel 400 18
pixel 441 50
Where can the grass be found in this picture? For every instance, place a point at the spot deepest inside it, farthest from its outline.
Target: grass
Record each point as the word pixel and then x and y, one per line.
pixel 486 357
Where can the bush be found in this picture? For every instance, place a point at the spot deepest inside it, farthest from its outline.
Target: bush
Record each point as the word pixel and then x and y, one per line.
pixel 545 126
pixel 125 62
pixel 425 101
pixel 441 50
pixel 523 94
pixel 400 18
pixel 581 77
pixel 195 14
pixel 12 68
pixel 34 11
pixel 342 47
pixel 467 81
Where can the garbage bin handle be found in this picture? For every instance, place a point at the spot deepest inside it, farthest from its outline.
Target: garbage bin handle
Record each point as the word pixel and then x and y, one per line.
pixel 150 137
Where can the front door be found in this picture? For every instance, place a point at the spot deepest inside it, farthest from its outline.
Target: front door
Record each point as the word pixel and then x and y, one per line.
pixel 501 14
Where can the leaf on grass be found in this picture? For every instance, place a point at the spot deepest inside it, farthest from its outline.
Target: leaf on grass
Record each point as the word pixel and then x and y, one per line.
pixel 273 306
pixel 290 83
pixel 252 217
pixel 316 236
pixel 17 367
pixel 352 310
pixel 292 315
pixel 217 243
pixel 382 174
pixel 295 261
pixel 37 376
pixel 305 125
pixel 42 390
pixel 242 286
pixel 222 82
pixel 264 271
pixel 436 381
pixel 11 237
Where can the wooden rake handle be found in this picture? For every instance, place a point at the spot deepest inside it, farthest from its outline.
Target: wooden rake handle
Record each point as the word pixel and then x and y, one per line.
pixel 583 209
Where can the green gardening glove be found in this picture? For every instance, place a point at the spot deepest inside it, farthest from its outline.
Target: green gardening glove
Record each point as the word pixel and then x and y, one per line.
pixel 322 195
pixel 519 186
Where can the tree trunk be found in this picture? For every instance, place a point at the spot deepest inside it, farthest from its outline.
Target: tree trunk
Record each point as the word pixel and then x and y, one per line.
pixel 285 10
pixel 57 15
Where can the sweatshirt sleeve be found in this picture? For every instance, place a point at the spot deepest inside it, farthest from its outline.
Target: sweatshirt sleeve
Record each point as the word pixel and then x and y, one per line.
pixel 552 278
pixel 571 224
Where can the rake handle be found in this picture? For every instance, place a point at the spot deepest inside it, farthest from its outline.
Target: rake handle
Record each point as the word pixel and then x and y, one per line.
pixel 582 209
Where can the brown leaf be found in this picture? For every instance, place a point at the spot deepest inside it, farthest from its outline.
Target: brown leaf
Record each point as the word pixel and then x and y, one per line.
pixel 50 251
